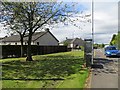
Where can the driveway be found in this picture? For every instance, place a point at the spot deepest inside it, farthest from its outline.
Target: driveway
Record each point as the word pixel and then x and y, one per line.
pixel 105 71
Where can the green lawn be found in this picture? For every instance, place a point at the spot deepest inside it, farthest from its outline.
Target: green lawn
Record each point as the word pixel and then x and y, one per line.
pixel 59 70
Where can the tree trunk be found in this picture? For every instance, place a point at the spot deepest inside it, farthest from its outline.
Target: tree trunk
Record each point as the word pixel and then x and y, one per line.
pixel 29 56
pixel 21 46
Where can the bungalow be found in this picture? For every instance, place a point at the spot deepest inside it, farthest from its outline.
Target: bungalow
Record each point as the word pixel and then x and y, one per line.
pixel 73 43
pixel 39 38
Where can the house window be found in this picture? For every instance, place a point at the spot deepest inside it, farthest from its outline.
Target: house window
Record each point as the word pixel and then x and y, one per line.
pixel 37 43
pixel 25 43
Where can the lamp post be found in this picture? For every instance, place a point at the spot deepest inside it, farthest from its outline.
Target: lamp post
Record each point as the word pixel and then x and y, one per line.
pixel 92 32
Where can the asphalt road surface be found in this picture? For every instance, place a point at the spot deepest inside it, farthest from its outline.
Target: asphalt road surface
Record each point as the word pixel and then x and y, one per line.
pixel 106 74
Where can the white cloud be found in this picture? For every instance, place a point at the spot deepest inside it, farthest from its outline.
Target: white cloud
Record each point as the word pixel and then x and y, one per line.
pixel 88 0
pixel 106 21
pixel 106 24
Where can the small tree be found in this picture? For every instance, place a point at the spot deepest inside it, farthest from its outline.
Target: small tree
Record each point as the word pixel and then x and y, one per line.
pixel 118 40
pixel 103 45
pixel 113 40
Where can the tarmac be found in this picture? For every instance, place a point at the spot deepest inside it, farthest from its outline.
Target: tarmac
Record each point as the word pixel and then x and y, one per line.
pixel 106 75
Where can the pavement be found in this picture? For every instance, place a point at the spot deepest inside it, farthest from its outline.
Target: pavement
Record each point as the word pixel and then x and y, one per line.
pixel 106 75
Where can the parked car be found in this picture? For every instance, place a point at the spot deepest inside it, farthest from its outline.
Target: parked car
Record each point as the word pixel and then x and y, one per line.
pixel 112 51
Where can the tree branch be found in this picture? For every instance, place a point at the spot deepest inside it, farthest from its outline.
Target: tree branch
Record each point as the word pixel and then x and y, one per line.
pixel 45 21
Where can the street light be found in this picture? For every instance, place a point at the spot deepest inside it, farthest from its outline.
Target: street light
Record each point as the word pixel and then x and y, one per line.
pixel 92 32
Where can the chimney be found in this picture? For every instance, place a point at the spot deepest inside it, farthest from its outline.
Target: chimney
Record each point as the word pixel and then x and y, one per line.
pixel 11 34
pixel 6 36
pixel 66 38
pixel 47 29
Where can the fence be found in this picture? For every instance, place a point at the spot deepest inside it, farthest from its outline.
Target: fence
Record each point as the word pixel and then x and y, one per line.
pixel 15 50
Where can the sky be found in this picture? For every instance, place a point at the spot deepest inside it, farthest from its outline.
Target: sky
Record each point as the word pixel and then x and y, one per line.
pixel 105 23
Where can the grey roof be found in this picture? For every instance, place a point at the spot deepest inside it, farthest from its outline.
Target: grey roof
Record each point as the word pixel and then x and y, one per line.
pixel 71 40
pixel 36 36
pixel 77 39
pixel 16 38
pixel 67 41
pixel 13 38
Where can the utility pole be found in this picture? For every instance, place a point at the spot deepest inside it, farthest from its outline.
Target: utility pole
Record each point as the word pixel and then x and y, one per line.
pixel 92 32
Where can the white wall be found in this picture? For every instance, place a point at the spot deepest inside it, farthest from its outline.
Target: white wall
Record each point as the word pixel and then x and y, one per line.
pixel 13 43
pixel 71 45
pixel 0 42
pixel 61 44
pixel 10 43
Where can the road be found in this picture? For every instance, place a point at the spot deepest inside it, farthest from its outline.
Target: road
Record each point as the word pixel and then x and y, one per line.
pixel 106 75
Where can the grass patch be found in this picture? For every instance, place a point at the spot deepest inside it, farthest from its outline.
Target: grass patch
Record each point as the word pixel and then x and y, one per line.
pixel 75 80
pixel 21 84
pixel 58 70
pixel 11 59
